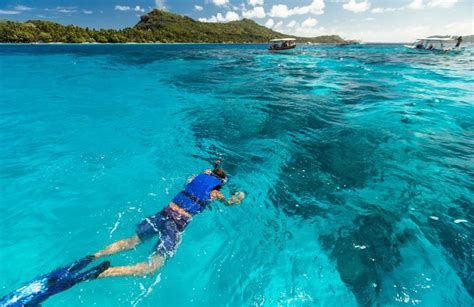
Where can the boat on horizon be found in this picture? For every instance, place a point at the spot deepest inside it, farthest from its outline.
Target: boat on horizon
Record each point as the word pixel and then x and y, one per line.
pixel 444 44
pixel 282 44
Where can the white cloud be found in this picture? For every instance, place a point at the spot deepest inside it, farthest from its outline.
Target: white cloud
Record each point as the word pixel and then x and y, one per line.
pixel 161 4
pixel 357 7
pixel 198 8
pixel 229 16
pixel 380 10
pixel 309 23
pixel 87 12
pixel 279 10
pixel 460 27
pixel 307 28
pixel 420 4
pixel 316 7
pixel 139 9
pixel 22 8
pixel 406 33
pixel 442 3
pixel 282 11
pixel 64 9
pixel 310 31
pixel 7 12
pixel 270 23
pixel 220 2
pixel 416 5
pixel 256 2
pixel 122 8
pixel 256 12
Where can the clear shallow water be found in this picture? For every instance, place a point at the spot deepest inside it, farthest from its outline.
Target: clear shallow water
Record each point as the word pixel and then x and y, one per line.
pixel 357 163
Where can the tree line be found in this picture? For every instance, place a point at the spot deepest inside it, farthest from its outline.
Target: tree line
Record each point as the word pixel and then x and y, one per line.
pixel 156 26
pixel 47 32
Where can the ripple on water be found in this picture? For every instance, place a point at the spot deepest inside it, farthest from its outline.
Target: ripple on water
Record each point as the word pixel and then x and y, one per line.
pixel 357 163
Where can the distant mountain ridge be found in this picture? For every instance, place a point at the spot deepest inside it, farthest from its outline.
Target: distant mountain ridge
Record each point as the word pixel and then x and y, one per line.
pixel 176 27
pixel 155 26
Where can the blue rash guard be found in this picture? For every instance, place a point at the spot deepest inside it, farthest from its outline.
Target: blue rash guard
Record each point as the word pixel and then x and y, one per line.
pixel 197 194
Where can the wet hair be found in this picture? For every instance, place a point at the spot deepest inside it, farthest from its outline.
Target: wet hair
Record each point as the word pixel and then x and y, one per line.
pixel 219 172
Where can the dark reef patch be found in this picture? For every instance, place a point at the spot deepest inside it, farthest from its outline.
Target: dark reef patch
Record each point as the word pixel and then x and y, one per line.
pixel 457 240
pixel 366 253
pixel 320 168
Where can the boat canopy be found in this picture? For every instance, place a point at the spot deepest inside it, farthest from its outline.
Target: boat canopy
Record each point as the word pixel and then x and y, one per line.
pixel 438 43
pixel 282 40
pixel 437 39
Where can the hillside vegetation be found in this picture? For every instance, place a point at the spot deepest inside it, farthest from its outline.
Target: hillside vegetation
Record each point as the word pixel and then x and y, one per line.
pixel 156 26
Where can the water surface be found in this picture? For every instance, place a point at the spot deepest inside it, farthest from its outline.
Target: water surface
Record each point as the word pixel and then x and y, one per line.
pixel 357 163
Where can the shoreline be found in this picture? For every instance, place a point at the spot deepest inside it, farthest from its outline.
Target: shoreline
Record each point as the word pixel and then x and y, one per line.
pixel 188 43
pixel 157 43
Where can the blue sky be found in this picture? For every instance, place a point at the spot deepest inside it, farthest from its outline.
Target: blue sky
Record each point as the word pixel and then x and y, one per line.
pixel 368 20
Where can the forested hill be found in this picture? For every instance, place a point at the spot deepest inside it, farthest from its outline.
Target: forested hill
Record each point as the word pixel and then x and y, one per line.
pixel 182 28
pixel 156 26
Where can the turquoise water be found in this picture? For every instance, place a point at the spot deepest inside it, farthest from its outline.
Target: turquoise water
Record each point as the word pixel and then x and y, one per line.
pixel 357 164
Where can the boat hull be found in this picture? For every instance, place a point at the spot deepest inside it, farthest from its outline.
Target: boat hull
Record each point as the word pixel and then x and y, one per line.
pixel 282 49
pixel 434 50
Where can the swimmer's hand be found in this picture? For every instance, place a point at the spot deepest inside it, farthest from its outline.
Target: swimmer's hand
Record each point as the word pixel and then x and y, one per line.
pixel 237 198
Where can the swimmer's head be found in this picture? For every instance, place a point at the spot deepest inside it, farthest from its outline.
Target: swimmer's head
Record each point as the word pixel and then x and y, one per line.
pixel 219 172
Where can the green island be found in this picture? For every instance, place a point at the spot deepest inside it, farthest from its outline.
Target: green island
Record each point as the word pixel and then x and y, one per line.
pixel 155 26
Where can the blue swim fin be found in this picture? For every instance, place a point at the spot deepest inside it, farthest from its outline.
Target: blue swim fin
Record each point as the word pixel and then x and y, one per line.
pixel 41 288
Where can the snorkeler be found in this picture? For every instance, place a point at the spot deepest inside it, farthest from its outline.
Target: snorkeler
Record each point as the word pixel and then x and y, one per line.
pixel 170 223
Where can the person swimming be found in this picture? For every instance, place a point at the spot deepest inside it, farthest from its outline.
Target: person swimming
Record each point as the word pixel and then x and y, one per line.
pixel 170 223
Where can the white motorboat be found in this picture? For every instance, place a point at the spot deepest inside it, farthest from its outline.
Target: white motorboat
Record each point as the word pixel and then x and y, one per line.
pixel 443 44
pixel 280 44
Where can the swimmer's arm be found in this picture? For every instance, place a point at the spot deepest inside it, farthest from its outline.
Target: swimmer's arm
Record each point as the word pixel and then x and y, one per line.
pixel 216 195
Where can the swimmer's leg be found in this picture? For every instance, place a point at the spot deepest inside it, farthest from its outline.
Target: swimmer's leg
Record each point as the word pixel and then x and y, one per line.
pixel 139 269
pixel 147 229
pixel 119 246
pixel 165 248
